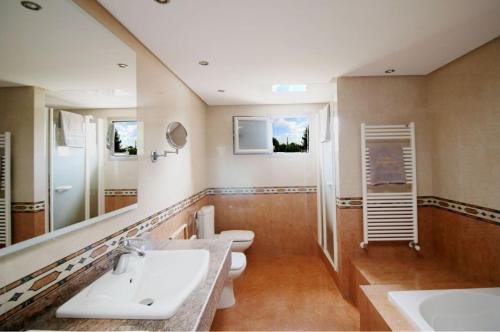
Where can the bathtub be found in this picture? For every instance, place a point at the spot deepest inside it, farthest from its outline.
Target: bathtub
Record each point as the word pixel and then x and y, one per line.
pixel 474 309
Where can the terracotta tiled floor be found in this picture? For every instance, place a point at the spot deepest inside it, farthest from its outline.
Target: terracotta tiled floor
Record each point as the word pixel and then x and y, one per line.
pixel 287 293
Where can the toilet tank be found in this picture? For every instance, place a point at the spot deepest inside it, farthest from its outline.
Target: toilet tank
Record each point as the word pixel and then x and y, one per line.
pixel 205 222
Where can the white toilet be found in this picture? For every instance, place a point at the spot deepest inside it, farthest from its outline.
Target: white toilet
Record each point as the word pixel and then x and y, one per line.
pixel 242 240
pixel 238 264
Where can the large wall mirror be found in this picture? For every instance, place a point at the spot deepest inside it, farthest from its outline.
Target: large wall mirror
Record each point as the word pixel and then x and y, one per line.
pixel 69 136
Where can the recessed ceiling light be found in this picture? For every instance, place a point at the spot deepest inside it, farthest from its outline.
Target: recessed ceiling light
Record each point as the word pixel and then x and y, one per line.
pixel 31 5
pixel 122 65
pixel 203 63
pixel 390 71
pixel 221 91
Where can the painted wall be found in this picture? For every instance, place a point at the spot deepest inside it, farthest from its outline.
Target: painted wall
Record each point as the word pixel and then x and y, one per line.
pixel 464 99
pixel 22 113
pixel 228 170
pixel 162 98
pixel 381 100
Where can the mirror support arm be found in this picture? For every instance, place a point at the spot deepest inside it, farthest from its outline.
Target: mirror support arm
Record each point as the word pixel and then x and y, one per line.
pixel 155 156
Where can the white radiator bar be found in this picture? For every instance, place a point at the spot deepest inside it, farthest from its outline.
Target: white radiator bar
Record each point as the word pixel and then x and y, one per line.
pixel 5 190
pixel 390 216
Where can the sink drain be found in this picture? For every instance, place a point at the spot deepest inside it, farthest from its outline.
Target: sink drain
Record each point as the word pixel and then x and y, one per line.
pixel 148 301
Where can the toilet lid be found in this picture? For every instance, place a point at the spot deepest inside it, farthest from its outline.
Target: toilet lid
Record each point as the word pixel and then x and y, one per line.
pixel 238 260
pixel 237 236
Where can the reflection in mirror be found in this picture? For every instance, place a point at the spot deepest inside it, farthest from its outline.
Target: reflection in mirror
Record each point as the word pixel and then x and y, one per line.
pixel 68 104
pixel 176 135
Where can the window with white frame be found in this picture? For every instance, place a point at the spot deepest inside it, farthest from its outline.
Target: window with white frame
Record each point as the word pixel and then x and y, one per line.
pixel 282 134
pixel 123 138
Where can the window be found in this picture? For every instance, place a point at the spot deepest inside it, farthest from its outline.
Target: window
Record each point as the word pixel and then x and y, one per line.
pixel 252 135
pixel 124 138
pixel 291 134
pixel 259 134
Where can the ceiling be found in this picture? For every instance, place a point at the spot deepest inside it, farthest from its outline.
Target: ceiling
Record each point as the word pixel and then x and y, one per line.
pixel 253 44
pixel 67 52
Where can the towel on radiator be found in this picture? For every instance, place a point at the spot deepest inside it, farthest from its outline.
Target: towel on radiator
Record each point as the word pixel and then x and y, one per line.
pixel 73 129
pixel 387 164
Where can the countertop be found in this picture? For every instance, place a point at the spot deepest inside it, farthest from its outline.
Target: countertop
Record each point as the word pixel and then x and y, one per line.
pixel 196 313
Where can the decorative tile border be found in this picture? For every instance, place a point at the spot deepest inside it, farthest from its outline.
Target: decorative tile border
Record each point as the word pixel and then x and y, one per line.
pixel 120 192
pixel 349 202
pixel 262 190
pixel 28 206
pixel 469 210
pixel 25 291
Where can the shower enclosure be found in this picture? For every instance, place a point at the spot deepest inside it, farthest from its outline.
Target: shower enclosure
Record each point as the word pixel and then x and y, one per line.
pixel 74 174
pixel 326 185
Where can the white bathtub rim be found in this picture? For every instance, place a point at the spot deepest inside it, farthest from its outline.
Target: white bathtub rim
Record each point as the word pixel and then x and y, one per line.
pixel 408 302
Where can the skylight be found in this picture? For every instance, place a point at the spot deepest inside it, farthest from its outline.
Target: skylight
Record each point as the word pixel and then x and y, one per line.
pixel 289 88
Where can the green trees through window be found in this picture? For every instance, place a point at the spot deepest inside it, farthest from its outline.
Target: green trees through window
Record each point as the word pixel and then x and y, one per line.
pixel 125 138
pixel 291 134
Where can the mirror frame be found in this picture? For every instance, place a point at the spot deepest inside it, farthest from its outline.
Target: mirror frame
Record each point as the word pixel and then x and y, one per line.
pixel 170 128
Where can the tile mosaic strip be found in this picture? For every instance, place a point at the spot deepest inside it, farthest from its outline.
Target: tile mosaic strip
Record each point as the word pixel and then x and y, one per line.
pixel 262 190
pixel 474 211
pixel 120 192
pixel 25 291
pixel 349 202
pixel 28 206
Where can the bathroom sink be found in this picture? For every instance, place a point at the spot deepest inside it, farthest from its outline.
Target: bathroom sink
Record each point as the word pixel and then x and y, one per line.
pixel 152 287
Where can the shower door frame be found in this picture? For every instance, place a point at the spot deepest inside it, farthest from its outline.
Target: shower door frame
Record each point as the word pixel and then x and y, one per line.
pixel 321 200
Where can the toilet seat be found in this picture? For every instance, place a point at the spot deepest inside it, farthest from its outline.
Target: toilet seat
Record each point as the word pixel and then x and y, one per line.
pixel 238 261
pixel 237 236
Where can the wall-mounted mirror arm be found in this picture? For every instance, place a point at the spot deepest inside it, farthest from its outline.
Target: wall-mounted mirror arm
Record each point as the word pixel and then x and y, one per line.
pixel 176 137
pixel 155 155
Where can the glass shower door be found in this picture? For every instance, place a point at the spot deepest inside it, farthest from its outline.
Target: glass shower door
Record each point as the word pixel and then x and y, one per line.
pixel 327 190
pixel 73 176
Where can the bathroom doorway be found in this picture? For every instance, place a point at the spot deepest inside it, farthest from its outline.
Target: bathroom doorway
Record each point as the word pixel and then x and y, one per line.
pixel 327 236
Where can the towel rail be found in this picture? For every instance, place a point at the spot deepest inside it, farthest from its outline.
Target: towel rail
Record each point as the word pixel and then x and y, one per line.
pixel 390 216
pixel 5 190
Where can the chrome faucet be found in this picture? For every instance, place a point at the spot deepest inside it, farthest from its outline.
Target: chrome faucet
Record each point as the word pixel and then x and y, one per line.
pixel 125 248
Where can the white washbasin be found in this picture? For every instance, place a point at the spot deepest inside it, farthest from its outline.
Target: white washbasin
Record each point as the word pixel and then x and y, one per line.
pixel 161 280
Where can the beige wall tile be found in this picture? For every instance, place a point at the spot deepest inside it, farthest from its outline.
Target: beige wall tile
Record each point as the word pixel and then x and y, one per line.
pixel 381 100
pixel 464 100
pixel 284 224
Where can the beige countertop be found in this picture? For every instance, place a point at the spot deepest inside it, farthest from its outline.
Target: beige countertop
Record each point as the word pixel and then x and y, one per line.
pixel 196 313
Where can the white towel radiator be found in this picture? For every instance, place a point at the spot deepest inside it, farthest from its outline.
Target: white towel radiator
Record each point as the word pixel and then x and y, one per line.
pixel 390 215
pixel 5 229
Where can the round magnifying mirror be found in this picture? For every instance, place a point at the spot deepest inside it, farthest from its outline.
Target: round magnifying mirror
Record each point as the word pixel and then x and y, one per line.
pixel 176 135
